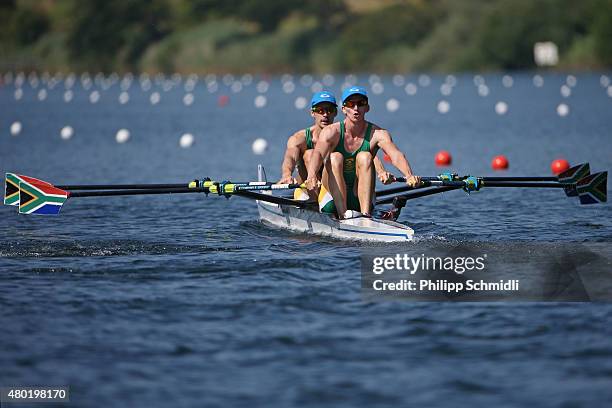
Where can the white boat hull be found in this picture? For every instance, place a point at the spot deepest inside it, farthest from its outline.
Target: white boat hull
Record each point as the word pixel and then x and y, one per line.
pixel 307 221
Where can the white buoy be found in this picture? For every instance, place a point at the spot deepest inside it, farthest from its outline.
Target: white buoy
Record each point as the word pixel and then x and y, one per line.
pixel 288 87
pixel 306 80
pixel 246 79
pixel 538 81
pixel 122 136
pixel 124 98
pixel 155 98
pixel 378 88
pixel 566 91
pixel 411 89
pixel 501 108
pixel 186 140
pixel 228 79
pixel 188 99
pixel 446 89
pixel 18 94
pixel 443 107
pixel 259 146
pixel 479 80
pixel 42 94
pixel 212 87
pixel 399 80
pixel 571 81
pixel 350 80
pixel 507 81
pixel 68 95
pixel 393 105
pixel 610 91
pixel 67 132
pixel 604 81
pixel 94 97
pixel 316 87
pixel 300 102
pixel 424 80
pixel 260 101
pixel 483 90
pixel 16 128
pixel 562 110
pixel 373 79
pixel 262 86
pixel 328 80
pixel 236 87
pixel 145 85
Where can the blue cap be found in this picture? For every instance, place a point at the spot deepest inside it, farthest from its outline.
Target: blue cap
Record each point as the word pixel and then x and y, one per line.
pixel 324 96
pixel 353 90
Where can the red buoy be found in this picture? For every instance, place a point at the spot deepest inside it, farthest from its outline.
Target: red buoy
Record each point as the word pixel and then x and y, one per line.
pixel 386 158
pixel 223 100
pixel 443 158
pixel 499 162
pixel 559 166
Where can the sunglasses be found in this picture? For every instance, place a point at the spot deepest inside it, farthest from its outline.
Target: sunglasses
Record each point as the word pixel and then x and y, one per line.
pixel 352 104
pixel 323 110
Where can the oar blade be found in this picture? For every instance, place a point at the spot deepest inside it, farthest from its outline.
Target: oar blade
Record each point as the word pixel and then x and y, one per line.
pixel 40 198
pixel 593 189
pixel 11 186
pixel 572 176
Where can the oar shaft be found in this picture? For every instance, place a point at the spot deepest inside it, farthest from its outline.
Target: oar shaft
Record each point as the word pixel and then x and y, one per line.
pixel 485 179
pixel 121 186
pixel 525 184
pixel 417 194
pixel 137 192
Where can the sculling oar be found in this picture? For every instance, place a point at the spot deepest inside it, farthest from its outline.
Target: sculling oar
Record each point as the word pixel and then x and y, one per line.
pixel 570 176
pixel 591 189
pixel 36 196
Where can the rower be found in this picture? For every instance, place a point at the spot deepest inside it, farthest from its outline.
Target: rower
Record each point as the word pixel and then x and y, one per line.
pixel 323 109
pixel 346 150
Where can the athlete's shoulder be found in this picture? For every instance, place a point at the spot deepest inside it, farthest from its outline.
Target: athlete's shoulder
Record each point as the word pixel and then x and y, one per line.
pixel 379 134
pixel 298 138
pixel 375 127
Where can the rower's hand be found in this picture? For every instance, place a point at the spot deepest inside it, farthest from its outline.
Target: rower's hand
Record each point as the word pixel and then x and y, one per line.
pixel 312 184
pixel 385 177
pixel 413 181
pixel 287 180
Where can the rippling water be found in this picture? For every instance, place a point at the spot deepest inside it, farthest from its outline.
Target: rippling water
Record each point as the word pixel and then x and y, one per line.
pixel 189 301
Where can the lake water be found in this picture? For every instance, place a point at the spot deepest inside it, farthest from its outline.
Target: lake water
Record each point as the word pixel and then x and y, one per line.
pixel 189 301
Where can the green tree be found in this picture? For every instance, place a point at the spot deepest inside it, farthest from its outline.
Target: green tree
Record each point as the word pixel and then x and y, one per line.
pixel 114 33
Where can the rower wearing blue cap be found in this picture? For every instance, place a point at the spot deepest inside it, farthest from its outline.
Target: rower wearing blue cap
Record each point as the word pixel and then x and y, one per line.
pixel 347 152
pixel 323 109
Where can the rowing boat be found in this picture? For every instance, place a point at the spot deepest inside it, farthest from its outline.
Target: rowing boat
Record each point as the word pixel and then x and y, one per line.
pixel 309 221
pixel 312 222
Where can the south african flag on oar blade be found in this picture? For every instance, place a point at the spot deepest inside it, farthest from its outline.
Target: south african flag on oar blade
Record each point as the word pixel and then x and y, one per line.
pixel 40 198
pixel 11 187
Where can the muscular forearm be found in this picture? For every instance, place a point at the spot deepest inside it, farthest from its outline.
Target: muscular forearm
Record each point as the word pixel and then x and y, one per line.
pixel 399 160
pixel 316 160
pixel 379 166
pixel 292 156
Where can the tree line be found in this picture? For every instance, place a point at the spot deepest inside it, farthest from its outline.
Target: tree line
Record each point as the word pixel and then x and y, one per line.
pixel 316 36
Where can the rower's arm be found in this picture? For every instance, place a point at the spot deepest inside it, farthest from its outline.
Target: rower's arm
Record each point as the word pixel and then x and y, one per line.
pixel 397 157
pixel 293 154
pixel 383 175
